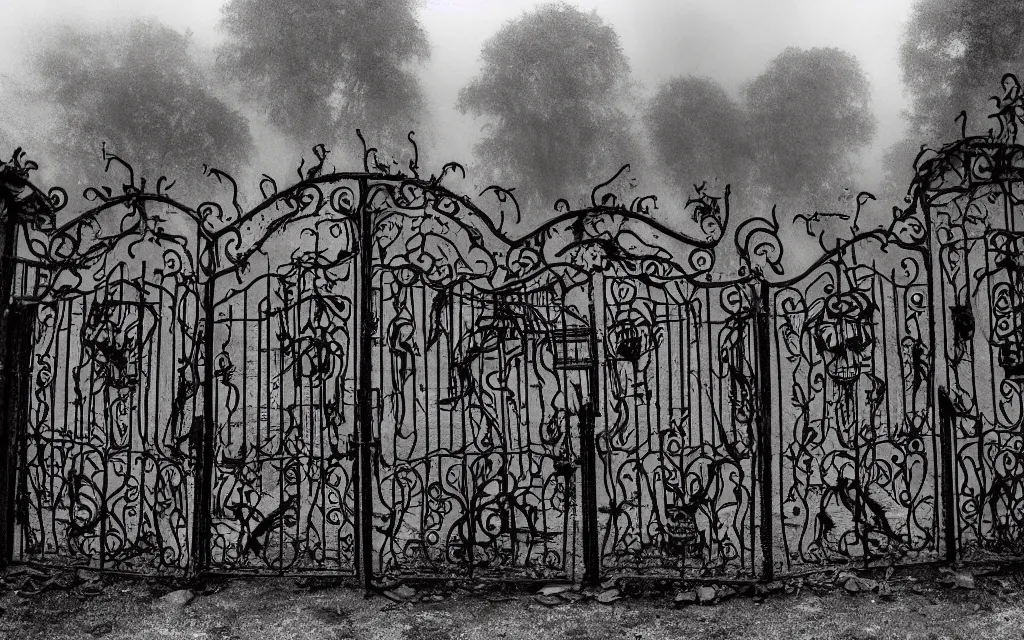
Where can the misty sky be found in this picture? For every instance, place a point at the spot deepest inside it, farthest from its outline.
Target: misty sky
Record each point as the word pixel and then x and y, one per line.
pixel 729 40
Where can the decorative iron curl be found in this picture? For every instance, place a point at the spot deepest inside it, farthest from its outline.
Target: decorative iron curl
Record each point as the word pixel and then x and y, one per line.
pixel 503 196
pixel 222 176
pixel 608 196
pixel 448 166
pixel 366 151
pixel 320 152
pixel 1009 110
pixel 707 210
pixel 760 237
pixel 414 162
pixel 639 204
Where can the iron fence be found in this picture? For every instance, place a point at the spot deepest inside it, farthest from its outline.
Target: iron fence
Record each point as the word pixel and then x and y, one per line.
pixel 363 375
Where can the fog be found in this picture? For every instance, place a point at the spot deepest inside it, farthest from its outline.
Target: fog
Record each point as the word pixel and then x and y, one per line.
pixel 728 40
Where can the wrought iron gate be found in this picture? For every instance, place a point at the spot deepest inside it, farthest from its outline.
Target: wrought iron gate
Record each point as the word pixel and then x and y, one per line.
pixel 107 474
pixel 679 483
pixel 363 375
pixel 477 474
pixel 856 449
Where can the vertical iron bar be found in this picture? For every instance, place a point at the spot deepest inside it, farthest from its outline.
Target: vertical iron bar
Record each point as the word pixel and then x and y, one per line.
pixel 937 394
pixel 364 509
pixel 946 414
pixel 588 452
pixel 202 442
pixel 17 360
pixel 764 440
pixel 10 405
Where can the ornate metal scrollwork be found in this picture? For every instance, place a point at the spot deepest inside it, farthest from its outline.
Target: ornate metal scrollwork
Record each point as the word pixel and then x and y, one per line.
pixel 227 373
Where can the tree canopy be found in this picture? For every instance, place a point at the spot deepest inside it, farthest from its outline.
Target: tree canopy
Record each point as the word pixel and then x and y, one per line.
pixel 136 89
pixel 699 133
pixel 809 116
pixel 954 54
pixel 550 87
pixel 320 69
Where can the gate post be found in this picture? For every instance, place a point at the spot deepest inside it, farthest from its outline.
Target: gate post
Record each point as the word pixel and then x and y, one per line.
pixel 763 345
pixel 364 380
pixel 17 351
pixel 202 438
pixel 11 383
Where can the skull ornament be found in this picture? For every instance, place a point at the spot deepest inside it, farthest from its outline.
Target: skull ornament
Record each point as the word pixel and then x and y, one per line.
pixel 843 333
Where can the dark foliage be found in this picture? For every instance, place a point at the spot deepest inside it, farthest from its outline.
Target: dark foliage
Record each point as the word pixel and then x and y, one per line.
pixel 550 86
pixel 809 115
pixel 137 89
pixel 699 133
pixel 323 68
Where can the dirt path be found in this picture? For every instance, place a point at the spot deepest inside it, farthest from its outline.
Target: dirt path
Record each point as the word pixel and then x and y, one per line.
pixel 269 609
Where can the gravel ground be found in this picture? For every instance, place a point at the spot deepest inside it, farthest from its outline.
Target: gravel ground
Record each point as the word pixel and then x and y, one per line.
pixel 926 604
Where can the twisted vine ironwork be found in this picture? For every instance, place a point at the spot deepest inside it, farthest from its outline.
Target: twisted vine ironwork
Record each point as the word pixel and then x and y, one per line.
pixel 365 373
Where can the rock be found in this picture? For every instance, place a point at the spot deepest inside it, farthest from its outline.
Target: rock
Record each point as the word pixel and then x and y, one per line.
pixel 101 629
pixel 548 601
pixel 855 584
pixel 768 588
pixel 963 580
pixel 86 575
pixel 724 593
pixel 686 597
pixel 175 599
pixel 948 578
pixel 555 589
pixel 501 598
pixel 861 633
pixel 24 570
pixel 90 589
pixel 222 632
pixel 17 583
pixel 572 596
pixel 435 597
pixel 608 596
pixel 402 592
pixel 608 584
pixel 706 595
